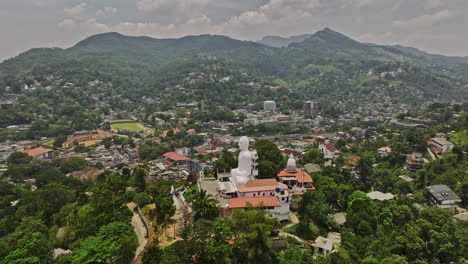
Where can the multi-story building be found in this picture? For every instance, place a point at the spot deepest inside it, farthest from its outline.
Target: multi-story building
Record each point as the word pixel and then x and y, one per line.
pixel 440 145
pixel 414 162
pixel 311 108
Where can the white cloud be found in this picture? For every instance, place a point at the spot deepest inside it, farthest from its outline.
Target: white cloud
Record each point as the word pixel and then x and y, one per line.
pixel 77 10
pixel 90 25
pixel 180 5
pixel 106 11
pixel 44 2
pixel 360 3
pixel 424 21
pixel 430 4
pixel 199 20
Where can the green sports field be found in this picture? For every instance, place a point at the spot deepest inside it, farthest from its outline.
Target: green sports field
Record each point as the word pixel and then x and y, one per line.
pixel 134 126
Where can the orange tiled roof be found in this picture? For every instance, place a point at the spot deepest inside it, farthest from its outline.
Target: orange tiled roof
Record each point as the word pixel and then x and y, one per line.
pixel 330 147
pixel 260 185
pixel 298 175
pixel 263 201
pixel 175 156
pixel 37 151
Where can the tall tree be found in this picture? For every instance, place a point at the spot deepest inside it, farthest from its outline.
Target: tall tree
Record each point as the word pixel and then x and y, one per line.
pixel 204 206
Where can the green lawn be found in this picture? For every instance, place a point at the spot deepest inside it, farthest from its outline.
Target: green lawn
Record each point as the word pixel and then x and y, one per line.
pixel 127 126
pixel 121 120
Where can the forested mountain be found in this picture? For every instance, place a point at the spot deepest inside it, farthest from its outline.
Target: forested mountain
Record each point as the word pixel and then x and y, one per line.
pixel 153 52
pixel 278 41
pixel 328 66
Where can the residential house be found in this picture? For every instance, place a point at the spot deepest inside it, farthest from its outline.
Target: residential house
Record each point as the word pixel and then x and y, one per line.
pixel 40 153
pixel 324 246
pixel 329 151
pixel 352 160
pixel 175 158
pixel 443 197
pixel 384 151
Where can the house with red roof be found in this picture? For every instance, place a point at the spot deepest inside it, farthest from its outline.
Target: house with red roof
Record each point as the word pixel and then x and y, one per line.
pixel 329 151
pixel 384 151
pixel 352 160
pixel 40 153
pixel 164 133
pixel 175 158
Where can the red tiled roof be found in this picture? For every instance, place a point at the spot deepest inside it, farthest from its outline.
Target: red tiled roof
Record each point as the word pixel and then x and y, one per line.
pixel 37 151
pixel 298 175
pixel 385 149
pixel 313 141
pixel 263 201
pixel 290 151
pixel 260 185
pixel 330 147
pixel 175 156
pixel 164 133
pixel 353 158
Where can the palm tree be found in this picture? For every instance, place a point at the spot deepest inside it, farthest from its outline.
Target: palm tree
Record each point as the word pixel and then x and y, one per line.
pixel 204 206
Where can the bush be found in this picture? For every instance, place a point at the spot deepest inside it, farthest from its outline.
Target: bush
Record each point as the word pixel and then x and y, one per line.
pixel 142 199
pixel 308 232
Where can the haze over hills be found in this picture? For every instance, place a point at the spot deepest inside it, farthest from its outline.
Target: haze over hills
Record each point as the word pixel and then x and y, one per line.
pixel 150 50
pixel 278 41
pixel 326 64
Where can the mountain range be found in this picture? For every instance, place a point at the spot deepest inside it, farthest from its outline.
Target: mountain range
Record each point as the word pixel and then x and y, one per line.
pixel 293 59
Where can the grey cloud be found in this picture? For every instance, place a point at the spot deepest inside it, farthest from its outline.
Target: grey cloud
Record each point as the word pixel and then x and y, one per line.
pixel 421 23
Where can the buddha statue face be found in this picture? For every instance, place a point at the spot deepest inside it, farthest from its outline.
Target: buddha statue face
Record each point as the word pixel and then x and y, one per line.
pixel 244 143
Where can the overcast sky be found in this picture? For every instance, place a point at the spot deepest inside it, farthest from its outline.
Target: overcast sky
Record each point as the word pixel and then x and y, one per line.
pixel 437 26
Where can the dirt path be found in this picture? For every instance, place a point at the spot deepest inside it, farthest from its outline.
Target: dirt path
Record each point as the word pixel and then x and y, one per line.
pixel 139 229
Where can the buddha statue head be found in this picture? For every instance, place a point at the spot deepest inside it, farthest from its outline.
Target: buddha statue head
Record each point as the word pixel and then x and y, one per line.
pixel 244 143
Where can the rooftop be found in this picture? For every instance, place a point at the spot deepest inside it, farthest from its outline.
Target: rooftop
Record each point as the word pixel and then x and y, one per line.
pixel 441 141
pixel 442 192
pixel 300 174
pixel 243 202
pixel 330 147
pixel 260 185
pixel 406 178
pixel 175 156
pixel 376 195
pixel 37 151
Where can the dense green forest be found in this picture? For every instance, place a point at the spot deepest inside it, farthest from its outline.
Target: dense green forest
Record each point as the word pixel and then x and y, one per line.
pixel 91 218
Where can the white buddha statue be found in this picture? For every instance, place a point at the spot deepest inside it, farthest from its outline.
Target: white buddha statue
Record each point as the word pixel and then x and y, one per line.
pixel 243 172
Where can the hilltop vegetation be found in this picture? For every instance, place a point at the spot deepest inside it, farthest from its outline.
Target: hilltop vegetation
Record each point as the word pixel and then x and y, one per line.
pixel 140 75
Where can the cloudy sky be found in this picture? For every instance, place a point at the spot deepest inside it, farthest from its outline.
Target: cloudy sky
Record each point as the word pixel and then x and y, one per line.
pixel 437 26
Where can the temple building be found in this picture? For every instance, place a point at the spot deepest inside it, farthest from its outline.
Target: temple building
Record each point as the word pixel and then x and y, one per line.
pixel 297 180
pixel 240 189
pixel 295 177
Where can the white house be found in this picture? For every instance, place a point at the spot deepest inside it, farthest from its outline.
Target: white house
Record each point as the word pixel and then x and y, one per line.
pixel 329 151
